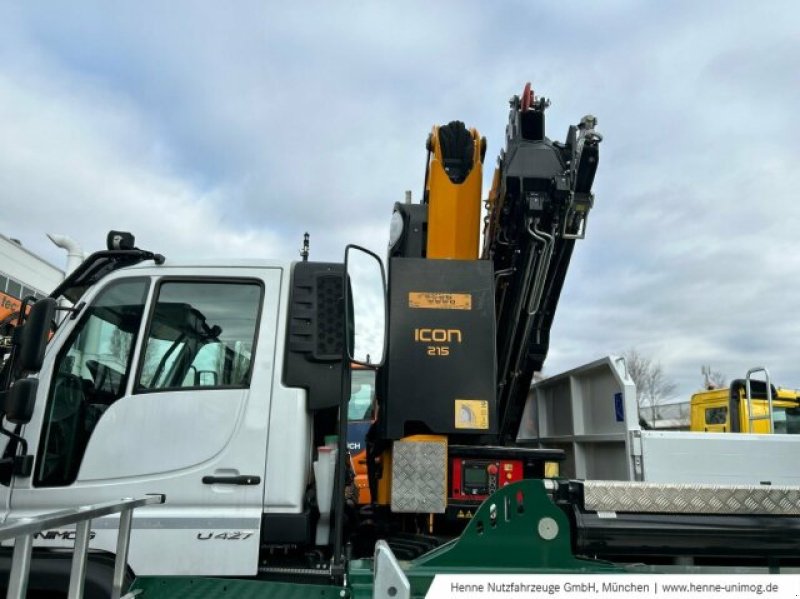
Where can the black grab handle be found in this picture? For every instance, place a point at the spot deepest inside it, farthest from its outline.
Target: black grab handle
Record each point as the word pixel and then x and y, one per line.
pixel 244 479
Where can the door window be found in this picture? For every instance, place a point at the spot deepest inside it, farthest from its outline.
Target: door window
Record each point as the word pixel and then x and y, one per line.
pixel 90 373
pixel 202 334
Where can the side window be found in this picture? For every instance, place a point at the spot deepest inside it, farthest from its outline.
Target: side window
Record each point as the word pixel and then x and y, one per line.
pixel 362 395
pixel 90 373
pixel 202 334
pixel 716 415
pixel 792 422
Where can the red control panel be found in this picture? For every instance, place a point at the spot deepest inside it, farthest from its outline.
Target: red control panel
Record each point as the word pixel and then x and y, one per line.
pixel 473 478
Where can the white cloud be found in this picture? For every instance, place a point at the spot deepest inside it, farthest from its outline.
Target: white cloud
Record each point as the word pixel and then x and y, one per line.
pixel 230 132
pixel 77 158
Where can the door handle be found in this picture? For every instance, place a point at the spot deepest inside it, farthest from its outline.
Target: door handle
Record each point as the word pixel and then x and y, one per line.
pixel 242 479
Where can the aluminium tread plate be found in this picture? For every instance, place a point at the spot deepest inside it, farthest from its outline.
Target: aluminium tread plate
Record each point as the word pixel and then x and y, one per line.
pixel 618 496
pixel 419 477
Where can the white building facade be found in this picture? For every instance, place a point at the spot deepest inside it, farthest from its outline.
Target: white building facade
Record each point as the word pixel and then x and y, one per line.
pixel 23 273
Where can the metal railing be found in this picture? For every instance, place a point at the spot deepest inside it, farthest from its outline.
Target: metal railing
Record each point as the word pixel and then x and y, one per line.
pixel 770 416
pixel 23 530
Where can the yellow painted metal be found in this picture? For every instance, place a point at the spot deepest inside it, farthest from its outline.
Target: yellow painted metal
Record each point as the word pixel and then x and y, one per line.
pixel 551 470
pixel 426 439
pixel 454 209
pixel 439 301
pixel 715 401
pixel 385 481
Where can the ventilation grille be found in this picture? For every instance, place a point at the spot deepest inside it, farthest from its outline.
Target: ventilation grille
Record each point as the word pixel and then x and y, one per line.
pixel 329 317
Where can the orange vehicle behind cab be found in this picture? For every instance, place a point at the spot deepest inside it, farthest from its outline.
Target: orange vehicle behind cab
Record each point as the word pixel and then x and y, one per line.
pixel 360 414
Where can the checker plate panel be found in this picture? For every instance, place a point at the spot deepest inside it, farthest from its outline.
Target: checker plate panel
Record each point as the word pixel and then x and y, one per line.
pixel 419 477
pixel 615 496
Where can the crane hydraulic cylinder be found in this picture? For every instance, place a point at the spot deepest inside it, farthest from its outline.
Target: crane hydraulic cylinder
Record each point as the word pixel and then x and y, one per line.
pixel 453 192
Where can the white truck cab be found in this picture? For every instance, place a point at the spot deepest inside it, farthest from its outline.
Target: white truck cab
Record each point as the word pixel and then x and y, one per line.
pixel 171 378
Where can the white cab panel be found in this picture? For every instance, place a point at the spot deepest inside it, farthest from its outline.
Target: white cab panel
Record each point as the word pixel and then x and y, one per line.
pixel 288 453
pixel 140 435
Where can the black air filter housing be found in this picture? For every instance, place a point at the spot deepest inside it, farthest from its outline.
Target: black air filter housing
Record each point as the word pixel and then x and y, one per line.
pixel 315 332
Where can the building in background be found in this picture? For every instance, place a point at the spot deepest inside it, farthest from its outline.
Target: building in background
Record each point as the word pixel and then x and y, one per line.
pixel 23 273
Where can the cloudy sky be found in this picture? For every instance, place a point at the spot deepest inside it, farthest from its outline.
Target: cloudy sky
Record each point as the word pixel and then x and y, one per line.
pixel 210 131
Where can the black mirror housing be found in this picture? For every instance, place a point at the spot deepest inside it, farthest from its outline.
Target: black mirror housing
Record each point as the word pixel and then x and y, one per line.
pixel 35 335
pixel 20 401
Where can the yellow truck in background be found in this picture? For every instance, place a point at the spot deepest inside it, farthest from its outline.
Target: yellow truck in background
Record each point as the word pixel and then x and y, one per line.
pixel 746 406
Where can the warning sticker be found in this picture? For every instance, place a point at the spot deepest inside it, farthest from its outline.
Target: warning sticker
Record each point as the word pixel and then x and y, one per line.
pixel 472 413
pixel 439 301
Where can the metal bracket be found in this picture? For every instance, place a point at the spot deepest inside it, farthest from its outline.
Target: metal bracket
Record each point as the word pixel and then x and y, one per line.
pixel 390 580
pixel 636 454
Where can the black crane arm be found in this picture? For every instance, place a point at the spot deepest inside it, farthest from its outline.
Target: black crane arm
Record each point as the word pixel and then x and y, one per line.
pixel 538 207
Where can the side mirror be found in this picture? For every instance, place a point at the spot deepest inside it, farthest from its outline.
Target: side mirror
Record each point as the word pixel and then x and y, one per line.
pixel 366 314
pixel 35 335
pixel 20 400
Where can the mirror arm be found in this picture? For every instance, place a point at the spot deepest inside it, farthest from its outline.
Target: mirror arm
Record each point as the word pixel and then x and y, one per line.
pixel 14 436
pixel 75 308
pixel 23 310
pixel 338 566
pixel 73 311
pixel 21 465
pixel 10 366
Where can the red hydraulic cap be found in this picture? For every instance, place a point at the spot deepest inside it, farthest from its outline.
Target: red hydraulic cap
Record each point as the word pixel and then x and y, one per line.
pixel 527 97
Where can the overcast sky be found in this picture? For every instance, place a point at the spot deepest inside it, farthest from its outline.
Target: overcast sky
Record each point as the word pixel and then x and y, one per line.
pixel 231 131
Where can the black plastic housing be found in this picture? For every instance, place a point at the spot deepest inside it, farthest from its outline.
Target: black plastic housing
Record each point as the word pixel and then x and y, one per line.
pixel 34 336
pixel 315 332
pixel 439 357
pixel 414 240
pixel 20 401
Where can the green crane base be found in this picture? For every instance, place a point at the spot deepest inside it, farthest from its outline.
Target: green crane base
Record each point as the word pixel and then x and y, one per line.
pixel 518 530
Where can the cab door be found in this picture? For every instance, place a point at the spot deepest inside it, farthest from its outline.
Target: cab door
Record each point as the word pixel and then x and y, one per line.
pixel 153 391
pixel 709 411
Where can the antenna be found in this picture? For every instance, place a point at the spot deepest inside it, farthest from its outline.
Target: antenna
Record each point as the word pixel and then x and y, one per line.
pixel 706 372
pixel 304 249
